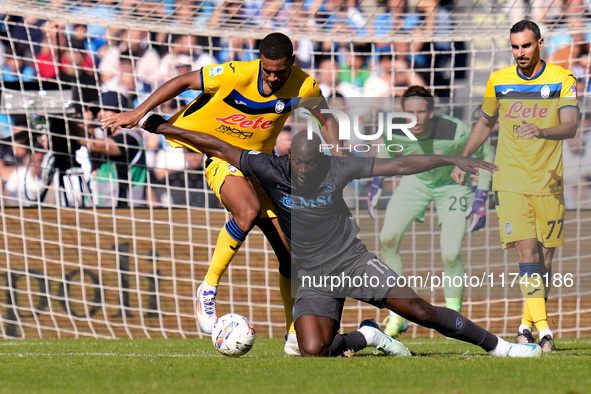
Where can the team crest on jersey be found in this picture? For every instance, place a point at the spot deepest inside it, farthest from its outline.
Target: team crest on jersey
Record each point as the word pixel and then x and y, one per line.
pixel 437 151
pixel 216 71
pixel 287 202
pixel 232 168
pixel 545 91
pixel 508 228
pixel 330 187
pixel 279 106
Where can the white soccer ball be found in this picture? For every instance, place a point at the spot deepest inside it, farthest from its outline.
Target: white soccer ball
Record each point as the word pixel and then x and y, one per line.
pixel 233 335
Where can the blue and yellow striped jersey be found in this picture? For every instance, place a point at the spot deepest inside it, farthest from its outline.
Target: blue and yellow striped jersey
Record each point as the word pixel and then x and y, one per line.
pixel 531 166
pixel 234 108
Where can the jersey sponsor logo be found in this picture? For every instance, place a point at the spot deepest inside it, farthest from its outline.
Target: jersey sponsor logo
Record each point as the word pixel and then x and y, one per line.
pixel 216 71
pixel 281 187
pixel 279 106
pixel 508 228
pixel 316 202
pixel 290 202
pixel 236 133
pixel 241 120
pixel 519 110
pixel 573 89
pixel 545 91
pixel 516 135
pixel 254 152
pixel 507 91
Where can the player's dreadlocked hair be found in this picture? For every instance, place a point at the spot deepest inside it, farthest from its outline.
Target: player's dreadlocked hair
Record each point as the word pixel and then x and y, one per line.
pixel 276 46
pixel 418 91
pixel 526 25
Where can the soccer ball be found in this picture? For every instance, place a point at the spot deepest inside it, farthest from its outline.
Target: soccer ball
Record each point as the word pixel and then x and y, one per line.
pixel 233 335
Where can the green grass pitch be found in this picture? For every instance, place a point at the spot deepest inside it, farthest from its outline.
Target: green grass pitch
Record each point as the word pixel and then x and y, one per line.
pixel 193 366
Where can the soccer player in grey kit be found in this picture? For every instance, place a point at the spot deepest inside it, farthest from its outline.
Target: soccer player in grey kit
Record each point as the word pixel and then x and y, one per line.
pixel 306 189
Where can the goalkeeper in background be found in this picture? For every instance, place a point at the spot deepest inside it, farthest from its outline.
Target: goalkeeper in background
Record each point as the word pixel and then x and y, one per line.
pixel 440 135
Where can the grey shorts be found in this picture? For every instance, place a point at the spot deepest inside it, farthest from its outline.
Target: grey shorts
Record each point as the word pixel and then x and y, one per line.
pixel 359 275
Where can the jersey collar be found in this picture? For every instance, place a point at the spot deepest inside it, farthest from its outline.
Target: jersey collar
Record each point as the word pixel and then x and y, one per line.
pixel 533 76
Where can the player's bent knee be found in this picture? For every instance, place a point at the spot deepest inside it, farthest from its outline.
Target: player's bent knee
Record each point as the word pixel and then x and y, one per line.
pixel 313 347
pixel 389 241
pixel 451 259
pixel 246 216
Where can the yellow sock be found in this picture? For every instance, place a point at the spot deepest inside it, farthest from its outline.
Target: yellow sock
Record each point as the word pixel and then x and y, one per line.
pixel 527 319
pixel 229 241
pixel 288 302
pixel 534 291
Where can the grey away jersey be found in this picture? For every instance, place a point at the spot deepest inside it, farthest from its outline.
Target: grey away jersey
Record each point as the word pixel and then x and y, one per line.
pixel 316 222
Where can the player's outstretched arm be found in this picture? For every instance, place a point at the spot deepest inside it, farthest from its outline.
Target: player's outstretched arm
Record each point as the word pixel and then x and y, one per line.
pixel 413 164
pixel 478 136
pixel 205 143
pixel 168 91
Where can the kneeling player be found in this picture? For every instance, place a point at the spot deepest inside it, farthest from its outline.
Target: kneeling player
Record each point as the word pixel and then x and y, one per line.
pixel 306 190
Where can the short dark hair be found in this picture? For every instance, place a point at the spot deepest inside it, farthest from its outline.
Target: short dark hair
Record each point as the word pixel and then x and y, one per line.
pixel 276 46
pixel 526 25
pixel 418 91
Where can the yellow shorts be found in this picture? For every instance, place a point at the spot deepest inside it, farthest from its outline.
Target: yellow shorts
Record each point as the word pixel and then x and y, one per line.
pixel 216 171
pixel 530 216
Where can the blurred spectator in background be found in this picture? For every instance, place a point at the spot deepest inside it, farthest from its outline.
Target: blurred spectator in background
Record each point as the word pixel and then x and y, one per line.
pixel 326 75
pixel 339 16
pixel 23 31
pixel 16 68
pixel 47 58
pixel 433 59
pixel 574 55
pixel 355 72
pixel 237 48
pixel 134 44
pixel 120 174
pixel 25 182
pixel 181 45
pixel 14 147
pixel 395 19
pixel 178 179
pixel 576 154
pixel 391 78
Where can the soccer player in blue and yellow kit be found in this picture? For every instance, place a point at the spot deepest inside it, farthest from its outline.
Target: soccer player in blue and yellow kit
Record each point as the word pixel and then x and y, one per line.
pixel 441 135
pixel 536 105
pixel 245 104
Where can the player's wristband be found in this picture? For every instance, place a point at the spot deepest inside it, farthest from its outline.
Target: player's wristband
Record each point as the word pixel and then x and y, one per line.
pixel 151 124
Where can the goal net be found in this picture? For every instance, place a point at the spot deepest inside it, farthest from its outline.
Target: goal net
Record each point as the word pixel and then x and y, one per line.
pixel 73 265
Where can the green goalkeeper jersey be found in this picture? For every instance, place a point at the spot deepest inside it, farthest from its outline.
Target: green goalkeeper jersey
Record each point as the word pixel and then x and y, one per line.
pixel 448 137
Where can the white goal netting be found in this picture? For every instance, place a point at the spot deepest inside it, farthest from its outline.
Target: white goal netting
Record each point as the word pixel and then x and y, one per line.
pixel 72 267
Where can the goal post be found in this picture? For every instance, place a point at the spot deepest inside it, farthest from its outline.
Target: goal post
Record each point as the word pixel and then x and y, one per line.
pixel 70 268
